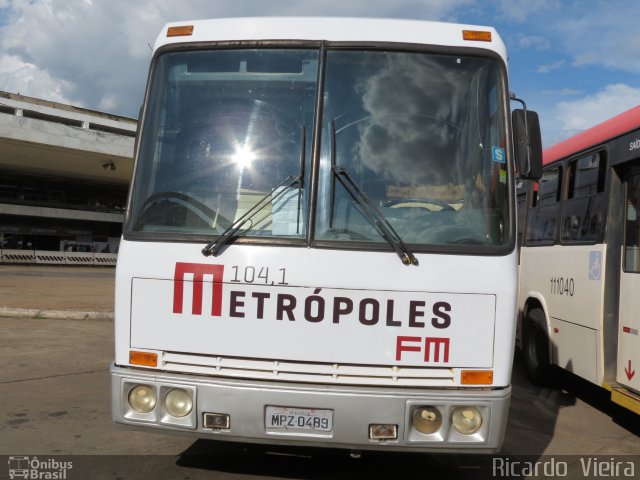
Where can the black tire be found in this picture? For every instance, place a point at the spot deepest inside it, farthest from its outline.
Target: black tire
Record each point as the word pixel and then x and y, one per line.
pixel 535 349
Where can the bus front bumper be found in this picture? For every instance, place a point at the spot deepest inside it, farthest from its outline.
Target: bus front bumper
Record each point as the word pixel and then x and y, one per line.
pixel 349 417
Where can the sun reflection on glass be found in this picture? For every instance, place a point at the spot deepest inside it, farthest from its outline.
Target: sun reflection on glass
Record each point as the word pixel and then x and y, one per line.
pixel 243 157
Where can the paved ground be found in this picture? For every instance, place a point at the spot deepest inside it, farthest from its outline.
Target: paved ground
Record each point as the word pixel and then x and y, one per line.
pixel 38 291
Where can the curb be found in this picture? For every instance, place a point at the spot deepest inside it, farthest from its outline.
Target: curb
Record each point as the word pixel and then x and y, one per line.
pixel 54 314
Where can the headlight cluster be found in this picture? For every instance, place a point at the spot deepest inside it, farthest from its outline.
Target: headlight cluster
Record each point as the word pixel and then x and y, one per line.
pixel 165 404
pixel 466 420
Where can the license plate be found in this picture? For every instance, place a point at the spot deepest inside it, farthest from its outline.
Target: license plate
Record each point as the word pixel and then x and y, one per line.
pixel 298 420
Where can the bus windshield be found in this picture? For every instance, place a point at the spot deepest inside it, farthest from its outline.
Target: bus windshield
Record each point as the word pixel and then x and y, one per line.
pixel 423 135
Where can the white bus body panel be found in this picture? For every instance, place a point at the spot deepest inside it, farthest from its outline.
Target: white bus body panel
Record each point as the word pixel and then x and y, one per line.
pixel 332 29
pixel 570 279
pixel 479 290
pixel 355 394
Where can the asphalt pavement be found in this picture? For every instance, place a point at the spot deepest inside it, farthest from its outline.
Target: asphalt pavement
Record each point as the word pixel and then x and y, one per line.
pixel 57 291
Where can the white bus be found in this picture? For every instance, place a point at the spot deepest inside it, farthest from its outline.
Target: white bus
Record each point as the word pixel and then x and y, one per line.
pixel 319 246
pixel 580 260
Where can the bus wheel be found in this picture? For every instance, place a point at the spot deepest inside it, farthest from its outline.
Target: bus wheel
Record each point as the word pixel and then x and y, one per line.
pixel 536 349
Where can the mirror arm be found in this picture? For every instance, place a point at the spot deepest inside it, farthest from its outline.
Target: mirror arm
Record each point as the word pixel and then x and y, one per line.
pixel 513 98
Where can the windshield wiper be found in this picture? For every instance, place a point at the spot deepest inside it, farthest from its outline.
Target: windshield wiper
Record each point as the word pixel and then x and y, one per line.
pixel 374 216
pixel 370 211
pixel 230 233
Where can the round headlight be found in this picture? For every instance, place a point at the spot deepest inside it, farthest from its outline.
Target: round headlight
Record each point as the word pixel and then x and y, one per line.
pixel 178 403
pixel 426 420
pixel 466 420
pixel 142 398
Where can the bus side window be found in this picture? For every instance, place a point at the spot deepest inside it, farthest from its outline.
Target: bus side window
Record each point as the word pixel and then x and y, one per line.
pixel 632 227
pixel 543 217
pixel 583 211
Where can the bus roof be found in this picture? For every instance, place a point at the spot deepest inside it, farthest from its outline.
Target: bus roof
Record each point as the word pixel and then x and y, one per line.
pixel 333 29
pixel 607 130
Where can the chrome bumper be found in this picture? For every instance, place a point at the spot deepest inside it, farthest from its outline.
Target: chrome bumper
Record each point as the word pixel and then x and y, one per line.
pixel 354 410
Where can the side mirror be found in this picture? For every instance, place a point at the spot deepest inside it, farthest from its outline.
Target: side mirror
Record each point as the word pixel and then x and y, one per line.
pixel 527 143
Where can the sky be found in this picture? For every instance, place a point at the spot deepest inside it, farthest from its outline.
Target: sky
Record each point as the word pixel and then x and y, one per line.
pixel 576 63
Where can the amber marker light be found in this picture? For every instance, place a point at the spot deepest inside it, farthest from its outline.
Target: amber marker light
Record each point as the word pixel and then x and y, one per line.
pixel 477 377
pixel 476 35
pixel 145 359
pixel 180 31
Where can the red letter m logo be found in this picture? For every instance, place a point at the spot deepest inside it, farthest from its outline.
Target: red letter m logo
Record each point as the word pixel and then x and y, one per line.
pixel 433 346
pixel 436 343
pixel 198 270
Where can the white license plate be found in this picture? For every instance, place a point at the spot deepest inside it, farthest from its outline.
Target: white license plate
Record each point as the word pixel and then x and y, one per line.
pixel 298 420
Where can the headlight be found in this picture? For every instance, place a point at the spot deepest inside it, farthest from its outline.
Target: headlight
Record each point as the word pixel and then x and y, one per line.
pixel 178 403
pixel 426 420
pixel 466 420
pixel 142 398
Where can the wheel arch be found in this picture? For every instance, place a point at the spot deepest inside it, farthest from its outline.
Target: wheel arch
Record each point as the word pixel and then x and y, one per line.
pixel 536 301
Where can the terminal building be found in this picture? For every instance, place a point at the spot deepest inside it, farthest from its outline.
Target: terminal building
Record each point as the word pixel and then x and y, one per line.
pixel 64 177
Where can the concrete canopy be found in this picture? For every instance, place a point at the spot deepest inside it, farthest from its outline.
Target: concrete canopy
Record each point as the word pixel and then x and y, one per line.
pixel 42 137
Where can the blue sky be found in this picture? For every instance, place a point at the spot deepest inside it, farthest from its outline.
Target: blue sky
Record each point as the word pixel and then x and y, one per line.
pixel 575 62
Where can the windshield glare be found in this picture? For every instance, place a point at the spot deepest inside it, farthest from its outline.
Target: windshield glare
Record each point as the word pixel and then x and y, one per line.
pixel 423 136
pixel 223 129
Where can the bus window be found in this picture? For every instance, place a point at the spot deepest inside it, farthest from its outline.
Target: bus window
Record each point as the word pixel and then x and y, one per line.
pixel 224 129
pixel 543 217
pixel 632 227
pixel 584 207
pixel 423 150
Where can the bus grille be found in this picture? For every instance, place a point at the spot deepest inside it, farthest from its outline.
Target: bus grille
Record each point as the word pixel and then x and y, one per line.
pixel 308 372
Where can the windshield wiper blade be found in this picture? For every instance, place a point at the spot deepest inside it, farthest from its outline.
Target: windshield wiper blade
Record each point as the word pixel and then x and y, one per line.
pixel 374 216
pixel 229 234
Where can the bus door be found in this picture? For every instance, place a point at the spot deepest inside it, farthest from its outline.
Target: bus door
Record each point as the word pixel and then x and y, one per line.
pixel 628 368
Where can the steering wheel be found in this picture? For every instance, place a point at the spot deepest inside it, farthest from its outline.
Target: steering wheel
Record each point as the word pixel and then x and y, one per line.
pixel 207 215
pixel 346 234
pixel 419 203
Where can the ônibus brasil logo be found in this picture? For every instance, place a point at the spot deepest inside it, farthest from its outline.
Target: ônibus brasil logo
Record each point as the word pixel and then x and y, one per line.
pixel 34 468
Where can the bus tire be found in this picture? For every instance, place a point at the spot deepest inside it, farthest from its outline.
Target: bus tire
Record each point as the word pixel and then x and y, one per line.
pixel 535 349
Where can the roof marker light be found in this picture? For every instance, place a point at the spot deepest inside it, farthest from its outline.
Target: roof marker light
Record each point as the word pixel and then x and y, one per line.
pixel 180 31
pixel 476 35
